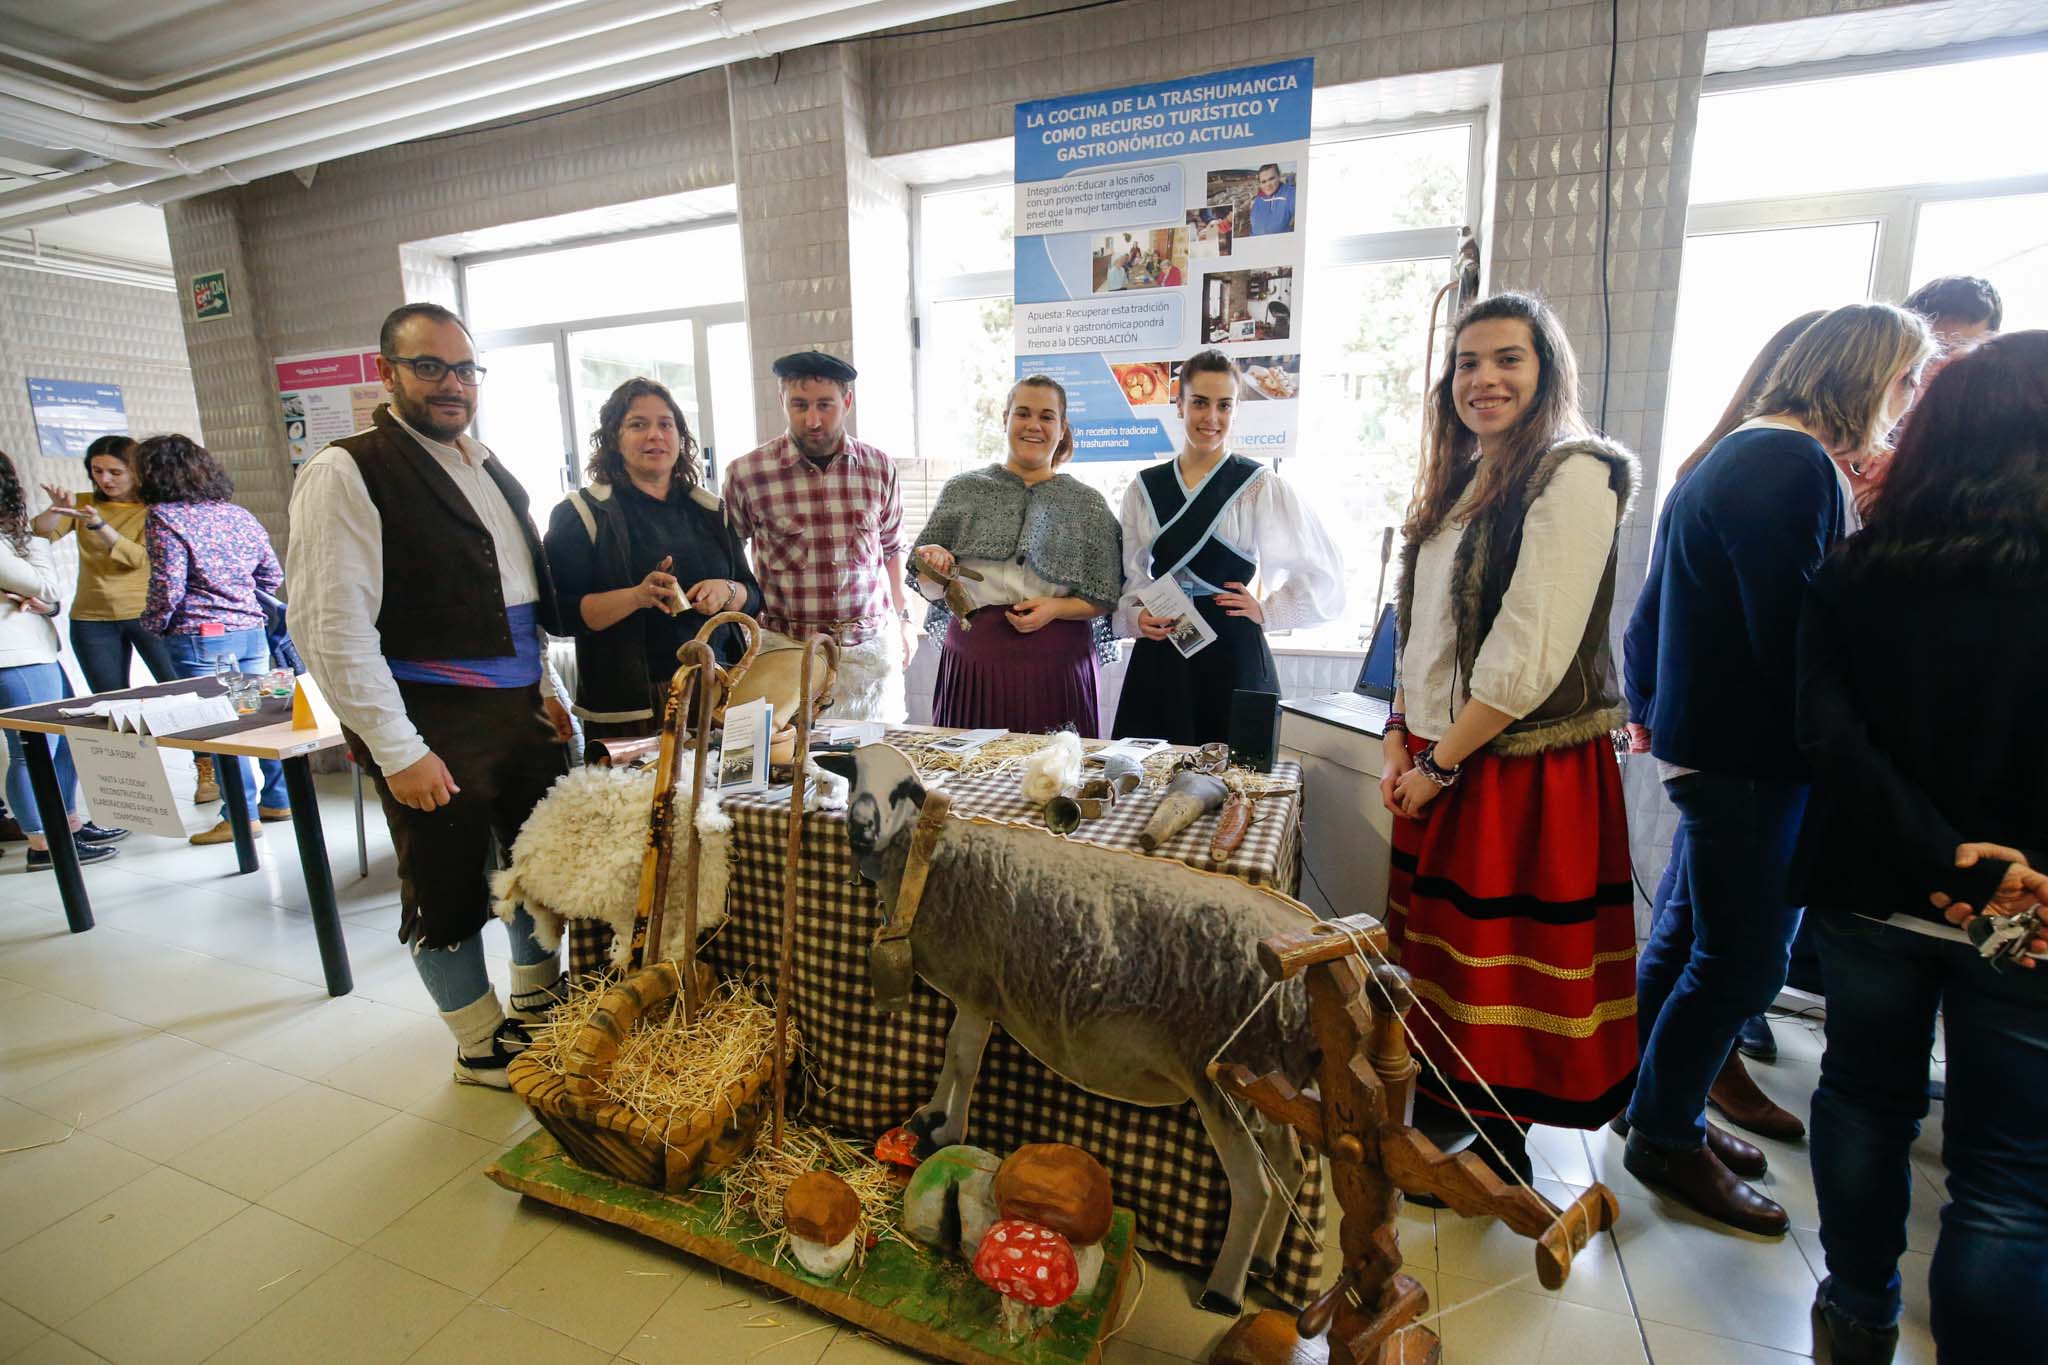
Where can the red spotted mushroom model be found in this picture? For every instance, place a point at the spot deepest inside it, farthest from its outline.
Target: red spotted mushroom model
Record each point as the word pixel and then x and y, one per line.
pixel 1032 1267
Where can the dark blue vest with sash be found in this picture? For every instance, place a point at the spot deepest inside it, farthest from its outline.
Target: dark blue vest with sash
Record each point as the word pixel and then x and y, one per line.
pixel 1188 541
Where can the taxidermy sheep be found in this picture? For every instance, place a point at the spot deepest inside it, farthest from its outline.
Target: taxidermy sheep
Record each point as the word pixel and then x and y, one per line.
pixel 578 857
pixel 1123 974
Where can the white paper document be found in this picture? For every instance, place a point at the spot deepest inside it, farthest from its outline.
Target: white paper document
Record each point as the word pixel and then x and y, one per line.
pixel 1163 597
pixel 125 782
pixel 157 715
pixel 967 741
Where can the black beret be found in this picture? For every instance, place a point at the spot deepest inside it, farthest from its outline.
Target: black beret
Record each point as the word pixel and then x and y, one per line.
pixel 813 365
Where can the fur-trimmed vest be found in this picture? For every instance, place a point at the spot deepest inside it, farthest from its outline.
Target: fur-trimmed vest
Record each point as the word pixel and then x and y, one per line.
pixel 1586 702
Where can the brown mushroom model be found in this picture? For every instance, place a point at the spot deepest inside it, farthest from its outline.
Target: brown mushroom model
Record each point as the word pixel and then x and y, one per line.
pixel 1056 1185
pixel 820 1211
pixel 1030 1266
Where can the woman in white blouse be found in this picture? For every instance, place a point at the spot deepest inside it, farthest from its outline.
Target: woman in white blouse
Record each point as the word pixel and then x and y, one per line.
pixel 1213 522
pixel 1509 899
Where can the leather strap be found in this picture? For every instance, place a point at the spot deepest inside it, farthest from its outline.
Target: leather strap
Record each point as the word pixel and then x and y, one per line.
pixel 924 840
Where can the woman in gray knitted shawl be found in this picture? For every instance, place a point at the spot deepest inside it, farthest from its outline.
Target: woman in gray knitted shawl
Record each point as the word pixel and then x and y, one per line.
pixel 1049 556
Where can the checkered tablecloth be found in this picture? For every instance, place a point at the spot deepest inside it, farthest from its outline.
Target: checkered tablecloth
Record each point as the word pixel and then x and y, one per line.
pixel 865 1071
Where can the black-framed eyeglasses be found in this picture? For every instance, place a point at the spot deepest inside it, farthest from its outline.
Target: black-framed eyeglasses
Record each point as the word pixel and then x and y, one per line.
pixel 431 369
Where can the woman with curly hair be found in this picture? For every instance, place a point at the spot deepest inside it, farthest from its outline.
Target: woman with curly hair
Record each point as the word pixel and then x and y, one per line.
pixel 208 559
pixel 641 559
pixel 29 673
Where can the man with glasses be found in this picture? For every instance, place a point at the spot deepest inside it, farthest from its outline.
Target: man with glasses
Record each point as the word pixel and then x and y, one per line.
pixel 420 598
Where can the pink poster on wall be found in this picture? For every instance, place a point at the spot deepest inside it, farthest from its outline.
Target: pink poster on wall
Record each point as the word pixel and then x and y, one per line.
pixel 325 397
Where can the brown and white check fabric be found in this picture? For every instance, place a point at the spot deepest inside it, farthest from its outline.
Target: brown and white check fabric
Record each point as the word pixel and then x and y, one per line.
pixel 820 539
pixel 866 1072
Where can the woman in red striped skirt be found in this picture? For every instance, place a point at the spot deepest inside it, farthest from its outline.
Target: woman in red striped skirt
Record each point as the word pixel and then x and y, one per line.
pixel 1509 901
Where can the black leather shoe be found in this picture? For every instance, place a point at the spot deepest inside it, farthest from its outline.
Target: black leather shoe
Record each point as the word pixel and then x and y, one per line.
pixel 90 833
pixel 1850 1342
pixel 1756 1041
pixel 1697 1179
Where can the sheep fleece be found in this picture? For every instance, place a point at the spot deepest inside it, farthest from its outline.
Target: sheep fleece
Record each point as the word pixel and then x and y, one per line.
pixel 578 857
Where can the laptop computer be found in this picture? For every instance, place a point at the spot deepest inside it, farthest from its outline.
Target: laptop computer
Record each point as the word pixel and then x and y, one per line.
pixel 1366 706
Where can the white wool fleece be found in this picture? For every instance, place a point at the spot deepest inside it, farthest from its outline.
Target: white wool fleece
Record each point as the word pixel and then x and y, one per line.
pixel 578 857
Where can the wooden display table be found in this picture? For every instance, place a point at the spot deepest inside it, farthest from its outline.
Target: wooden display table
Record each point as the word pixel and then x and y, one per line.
pixel 267 733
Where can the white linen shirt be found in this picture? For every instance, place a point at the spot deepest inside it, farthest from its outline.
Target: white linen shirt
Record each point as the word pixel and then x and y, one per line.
pixel 1566 537
pixel 1269 519
pixel 335 566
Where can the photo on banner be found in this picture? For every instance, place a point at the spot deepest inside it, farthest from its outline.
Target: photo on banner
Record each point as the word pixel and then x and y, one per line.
pixel 1154 221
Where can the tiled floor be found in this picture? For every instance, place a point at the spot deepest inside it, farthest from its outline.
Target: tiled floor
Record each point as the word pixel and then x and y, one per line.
pixel 259 1173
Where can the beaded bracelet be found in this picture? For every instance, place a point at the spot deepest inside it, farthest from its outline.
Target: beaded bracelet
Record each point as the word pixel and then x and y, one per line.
pixel 1444 777
pixel 1397 720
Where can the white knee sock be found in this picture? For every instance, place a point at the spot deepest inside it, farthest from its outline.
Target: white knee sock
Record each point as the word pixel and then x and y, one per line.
pixel 537 985
pixel 475 1024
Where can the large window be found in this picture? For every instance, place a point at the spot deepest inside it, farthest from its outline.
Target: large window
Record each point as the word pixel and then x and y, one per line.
pixel 1389 203
pixel 560 327
pixel 1868 191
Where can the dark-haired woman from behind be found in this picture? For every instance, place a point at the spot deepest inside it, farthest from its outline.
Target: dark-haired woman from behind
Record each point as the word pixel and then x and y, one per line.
pixel 1923 709
pixel 1508 896
pixel 30 673
pixel 1214 521
pixel 641 559
pixel 208 558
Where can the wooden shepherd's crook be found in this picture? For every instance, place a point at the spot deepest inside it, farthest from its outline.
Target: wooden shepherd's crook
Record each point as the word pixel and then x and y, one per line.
pixel 698 680
pixel 785 969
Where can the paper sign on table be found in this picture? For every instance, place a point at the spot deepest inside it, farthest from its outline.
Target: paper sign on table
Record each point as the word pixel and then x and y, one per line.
pixel 125 783
pixel 310 710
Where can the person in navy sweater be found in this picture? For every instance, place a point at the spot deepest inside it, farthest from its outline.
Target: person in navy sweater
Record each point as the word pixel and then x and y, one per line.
pixel 1709 670
pixel 1923 710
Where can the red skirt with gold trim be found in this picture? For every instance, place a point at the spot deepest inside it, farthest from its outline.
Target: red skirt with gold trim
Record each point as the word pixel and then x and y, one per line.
pixel 1510 904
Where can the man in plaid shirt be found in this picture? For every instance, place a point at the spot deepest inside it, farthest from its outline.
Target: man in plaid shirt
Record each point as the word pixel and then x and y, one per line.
pixel 824 519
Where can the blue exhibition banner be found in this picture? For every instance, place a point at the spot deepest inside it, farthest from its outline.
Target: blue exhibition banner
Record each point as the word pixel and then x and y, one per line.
pixel 1154 221
pixel 70 415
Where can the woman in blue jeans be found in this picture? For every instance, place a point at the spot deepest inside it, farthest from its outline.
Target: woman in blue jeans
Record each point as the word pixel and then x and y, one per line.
pixel 29 673
pixel 1710 656
pixel 207 559
pixel 1923 709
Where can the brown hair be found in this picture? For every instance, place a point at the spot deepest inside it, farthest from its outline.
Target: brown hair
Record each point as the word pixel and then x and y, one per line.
pixel 1449 464
pixel 121 448
pixel 1065 450
pixel 1211 361
pixel 1738 409
pixel 1834 377
pixel 607 465
pixel 178 469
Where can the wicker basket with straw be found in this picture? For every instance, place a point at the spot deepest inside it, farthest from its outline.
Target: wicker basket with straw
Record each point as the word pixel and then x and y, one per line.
pixel 671 1154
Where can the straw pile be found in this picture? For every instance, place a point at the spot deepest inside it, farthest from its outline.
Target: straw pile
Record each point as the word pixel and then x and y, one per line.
pixel 997 753
pixel 753 1186
pixel 668 1073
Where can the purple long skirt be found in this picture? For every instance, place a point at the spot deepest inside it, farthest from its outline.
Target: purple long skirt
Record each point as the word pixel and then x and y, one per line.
pixel 992 677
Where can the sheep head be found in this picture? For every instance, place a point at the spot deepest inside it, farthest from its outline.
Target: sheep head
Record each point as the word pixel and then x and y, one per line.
pixel 883 803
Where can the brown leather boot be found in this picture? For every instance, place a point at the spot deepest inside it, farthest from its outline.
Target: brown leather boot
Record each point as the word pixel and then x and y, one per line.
pixel 208 789
pixel 1738 1098
pixel 1741 1158
pixel 1698 1180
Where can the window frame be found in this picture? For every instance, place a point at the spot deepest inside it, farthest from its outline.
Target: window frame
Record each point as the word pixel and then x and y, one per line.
pixel 702 316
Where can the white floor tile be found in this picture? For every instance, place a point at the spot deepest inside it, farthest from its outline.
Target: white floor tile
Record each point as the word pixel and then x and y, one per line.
pixel 594 1282
pixel 483 1334
pixel 1676 1346
pixel 17 1330
pixel 1487 1251
pixel 1691 1273
pixel 180 1117
pixel 383 1312
pixel 356 1192
pixel 705 1319
pixel 106 1085
pixel 467 1233
pixel 1512 1327
pixel 198 1299
pixel 53 1348
pixel 41 1185
pixel 42 1036
pixel 87 1255
pixel 261 1152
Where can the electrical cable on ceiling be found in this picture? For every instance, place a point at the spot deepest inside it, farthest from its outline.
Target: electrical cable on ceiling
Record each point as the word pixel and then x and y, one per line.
pixel 1607 212
pixel 656 85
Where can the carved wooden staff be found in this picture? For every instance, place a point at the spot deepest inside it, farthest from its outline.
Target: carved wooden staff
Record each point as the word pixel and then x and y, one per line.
pixel 698 678
pixel 785 967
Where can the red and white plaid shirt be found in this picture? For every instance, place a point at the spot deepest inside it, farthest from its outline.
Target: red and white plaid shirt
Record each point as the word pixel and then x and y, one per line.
pixel 821 539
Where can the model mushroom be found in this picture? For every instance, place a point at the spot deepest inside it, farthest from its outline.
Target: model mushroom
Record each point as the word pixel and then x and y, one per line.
pixel 1032 1267
pixel 821 1213
pixel 1058 1186
pixel 940 1208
